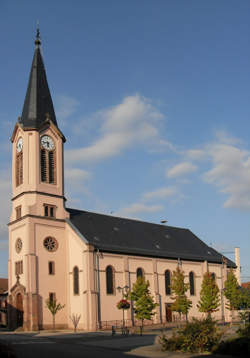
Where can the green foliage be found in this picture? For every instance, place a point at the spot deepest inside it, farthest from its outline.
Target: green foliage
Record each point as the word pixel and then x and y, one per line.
pixel 144 304
pixel 197 336
pixel 209 295
pixel 244 331
pixel 232 291
pixel 244 298
pixel 179 288
pixel 53 307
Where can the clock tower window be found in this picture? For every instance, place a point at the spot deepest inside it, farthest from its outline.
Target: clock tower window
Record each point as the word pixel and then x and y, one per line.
pixel 48 166
pixel 19 168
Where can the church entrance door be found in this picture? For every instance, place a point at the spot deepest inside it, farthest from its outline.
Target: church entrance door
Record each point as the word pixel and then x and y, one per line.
pixel 19 310
pixel 168 312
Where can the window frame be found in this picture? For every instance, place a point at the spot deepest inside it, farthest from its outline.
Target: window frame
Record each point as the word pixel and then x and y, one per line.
pixel 47 210
pixel 48 166
pixel 191 277
pixel 51 267
pixel 18 212
pixel 140 269
pixel 167 278
pixel 76 286
pixel 110 287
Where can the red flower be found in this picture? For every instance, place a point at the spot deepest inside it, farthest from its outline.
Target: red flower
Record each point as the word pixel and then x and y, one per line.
pixel 123 304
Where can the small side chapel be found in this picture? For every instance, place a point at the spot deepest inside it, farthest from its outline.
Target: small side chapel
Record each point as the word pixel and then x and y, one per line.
pixel 77 257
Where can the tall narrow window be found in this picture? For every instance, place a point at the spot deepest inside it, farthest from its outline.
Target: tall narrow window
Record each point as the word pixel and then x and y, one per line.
pixel 167 282
pixel 52 297
pixel 191 283
pixel 139 272
pixel 19 168
pixel 51 268
pixel 213 275
pixel 18 212
pixel 51 167
pixel 76 280
pixel 109 280
pixel 48 155
pixel 43 165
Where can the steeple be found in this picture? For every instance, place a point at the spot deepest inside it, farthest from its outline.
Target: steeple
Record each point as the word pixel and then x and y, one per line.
pixel 38 105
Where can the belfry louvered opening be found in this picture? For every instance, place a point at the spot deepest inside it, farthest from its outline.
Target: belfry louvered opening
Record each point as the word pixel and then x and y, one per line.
pixel 19 169
pixel 48 166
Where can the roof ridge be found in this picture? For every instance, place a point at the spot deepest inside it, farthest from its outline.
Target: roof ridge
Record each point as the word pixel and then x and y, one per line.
pixel 131 219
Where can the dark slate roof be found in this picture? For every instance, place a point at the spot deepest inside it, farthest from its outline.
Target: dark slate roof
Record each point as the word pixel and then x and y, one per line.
pixel 120 235
pixel 38 103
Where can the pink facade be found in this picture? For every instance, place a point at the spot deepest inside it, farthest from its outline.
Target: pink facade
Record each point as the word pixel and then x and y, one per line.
pixel 35 271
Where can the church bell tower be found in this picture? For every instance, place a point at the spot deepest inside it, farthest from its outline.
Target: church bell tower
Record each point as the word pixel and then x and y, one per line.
pixel 37 260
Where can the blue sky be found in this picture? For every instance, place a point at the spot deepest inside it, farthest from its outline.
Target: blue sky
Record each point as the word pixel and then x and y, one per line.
pixel 153 98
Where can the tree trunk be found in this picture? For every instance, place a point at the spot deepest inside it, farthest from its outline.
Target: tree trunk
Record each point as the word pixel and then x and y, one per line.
pixel 54 322
pixel 141 326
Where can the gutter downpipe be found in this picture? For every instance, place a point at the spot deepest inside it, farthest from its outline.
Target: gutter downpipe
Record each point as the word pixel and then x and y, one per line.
pixel 97 270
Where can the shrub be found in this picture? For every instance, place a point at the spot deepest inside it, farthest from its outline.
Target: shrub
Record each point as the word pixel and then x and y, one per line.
pixel 197 336
pixel 244 331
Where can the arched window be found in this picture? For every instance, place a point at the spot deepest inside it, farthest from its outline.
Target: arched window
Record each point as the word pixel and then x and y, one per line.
pixel 76 280
pixel 213 276
pixel 139 272
pixel 191 283
pixel 109 280
pixel 167 282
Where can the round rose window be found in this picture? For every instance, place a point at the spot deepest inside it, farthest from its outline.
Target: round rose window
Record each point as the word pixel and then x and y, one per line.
pixel 19 245
pixel 50 244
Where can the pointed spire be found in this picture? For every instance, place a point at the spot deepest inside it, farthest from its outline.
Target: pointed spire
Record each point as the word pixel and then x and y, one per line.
pixel 38 105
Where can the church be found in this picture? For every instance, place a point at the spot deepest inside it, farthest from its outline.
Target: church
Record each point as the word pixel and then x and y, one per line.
pixel 83 259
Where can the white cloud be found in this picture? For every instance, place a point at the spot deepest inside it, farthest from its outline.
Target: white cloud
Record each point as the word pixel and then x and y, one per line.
pixel 161 193
pixel 181 169
pixel 231 173
pixel 139 208
pixel 76 175
pixel 65 106
pixel 134 121
pixel 196 154
pixel 76 184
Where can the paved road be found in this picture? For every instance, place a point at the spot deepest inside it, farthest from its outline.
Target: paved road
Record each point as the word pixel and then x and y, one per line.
pixel 84 345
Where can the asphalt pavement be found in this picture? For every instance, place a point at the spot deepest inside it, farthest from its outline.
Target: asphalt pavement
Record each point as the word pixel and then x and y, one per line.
pixel 64 344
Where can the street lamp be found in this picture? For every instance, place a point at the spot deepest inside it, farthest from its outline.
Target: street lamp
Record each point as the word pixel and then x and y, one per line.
pixel 124 291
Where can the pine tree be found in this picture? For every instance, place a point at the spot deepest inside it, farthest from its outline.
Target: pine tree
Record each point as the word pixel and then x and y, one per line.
pixel 232 291
pixel 209 295
pixel 144 304
pixel 179 288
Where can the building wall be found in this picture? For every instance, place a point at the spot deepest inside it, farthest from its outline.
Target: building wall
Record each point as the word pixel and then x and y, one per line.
pixel 154 270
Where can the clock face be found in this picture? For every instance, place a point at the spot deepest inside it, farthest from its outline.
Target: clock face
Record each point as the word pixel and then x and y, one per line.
pixel 47 142
pixel 19 145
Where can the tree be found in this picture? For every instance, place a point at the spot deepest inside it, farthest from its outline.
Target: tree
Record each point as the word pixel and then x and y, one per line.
pixel 209 295
pixel 54 307
pixel 75 318
pixel 244 298
pixel 179 288
pixel 232 291
pixel 144 304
